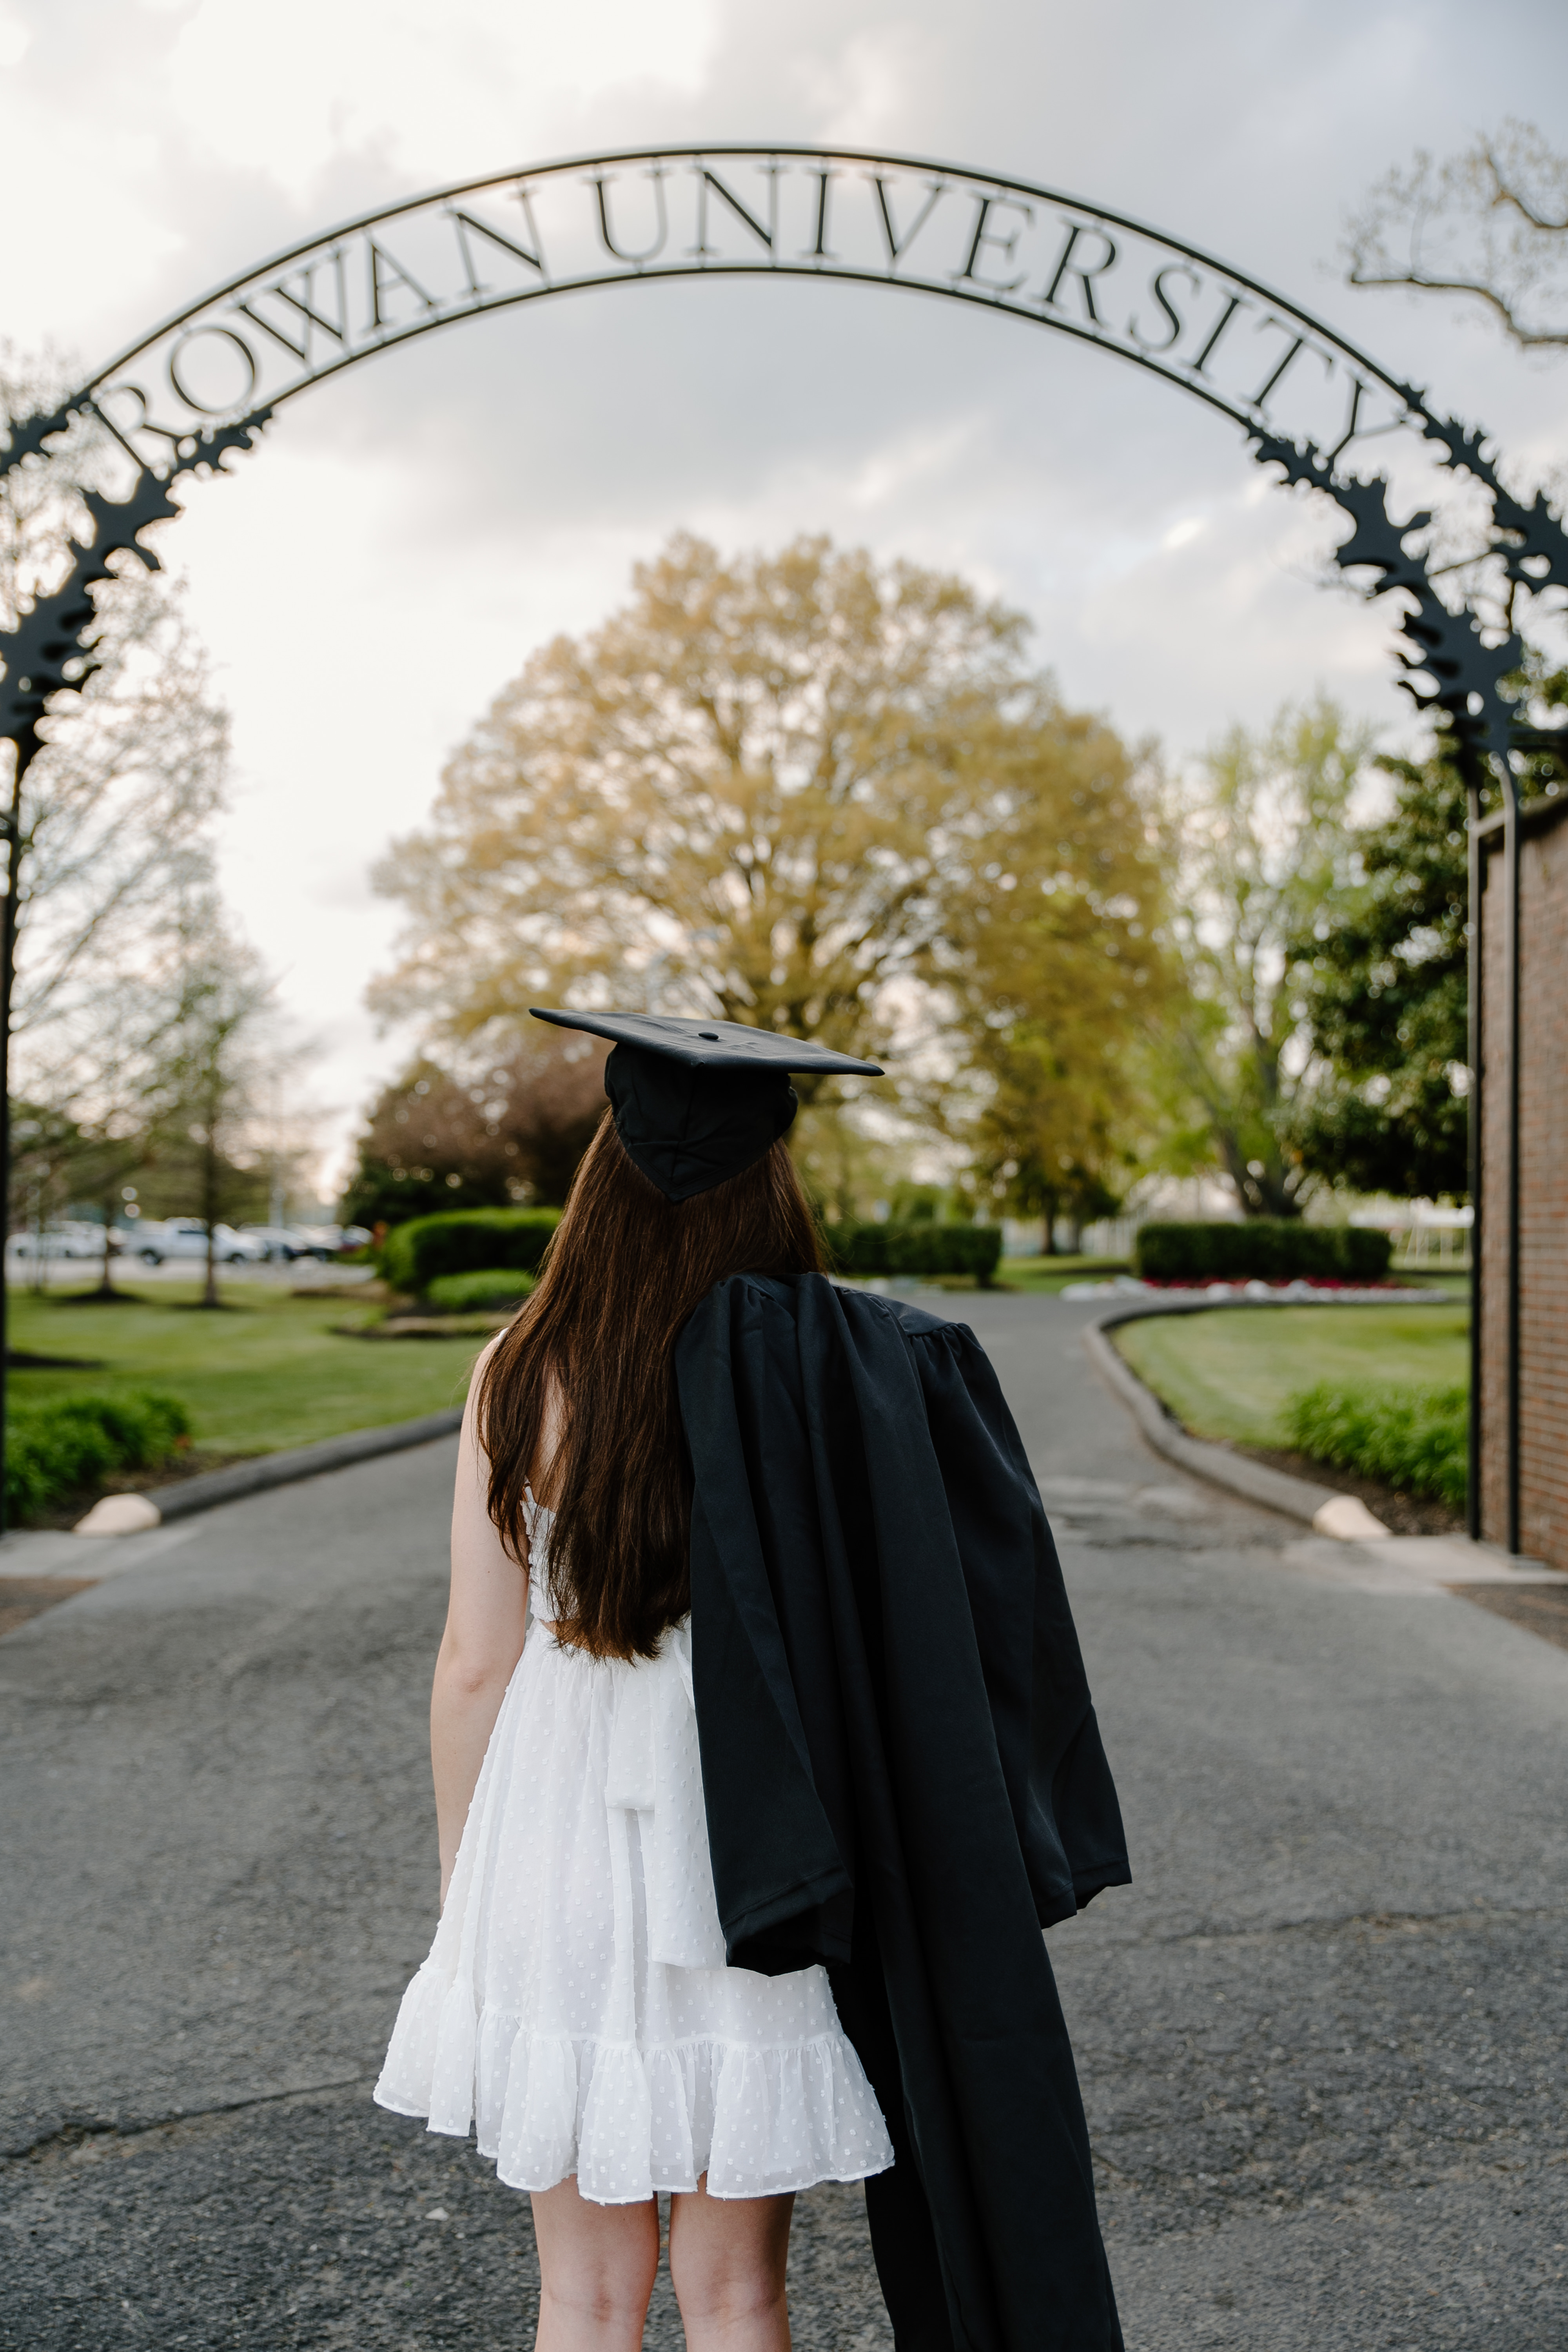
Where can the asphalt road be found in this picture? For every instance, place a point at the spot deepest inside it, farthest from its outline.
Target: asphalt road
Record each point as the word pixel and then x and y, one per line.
pixel 1321 2038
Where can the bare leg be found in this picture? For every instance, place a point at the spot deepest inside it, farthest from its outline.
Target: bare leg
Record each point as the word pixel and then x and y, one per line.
pixel 727 2257
pixel 596 2266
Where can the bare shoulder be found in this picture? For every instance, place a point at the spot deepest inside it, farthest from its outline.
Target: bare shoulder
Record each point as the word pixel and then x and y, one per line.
pixel 482 1363
pixel 550 1426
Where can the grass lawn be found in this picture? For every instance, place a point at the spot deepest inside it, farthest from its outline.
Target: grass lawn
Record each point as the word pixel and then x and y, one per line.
pixel 1053 1273
pixel 1228 1373
pixel 1457 1286
pixel 266 1371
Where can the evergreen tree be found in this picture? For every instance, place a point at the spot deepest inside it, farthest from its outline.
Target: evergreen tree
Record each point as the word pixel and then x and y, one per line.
pixel 1383 988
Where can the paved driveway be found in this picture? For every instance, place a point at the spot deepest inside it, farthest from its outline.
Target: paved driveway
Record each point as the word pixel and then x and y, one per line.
pixel 1321 2037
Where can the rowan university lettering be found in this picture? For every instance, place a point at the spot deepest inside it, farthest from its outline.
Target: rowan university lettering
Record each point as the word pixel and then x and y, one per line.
pixel 1028 251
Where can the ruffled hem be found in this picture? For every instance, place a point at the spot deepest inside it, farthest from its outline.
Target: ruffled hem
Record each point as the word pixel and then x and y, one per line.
pixel 759 2119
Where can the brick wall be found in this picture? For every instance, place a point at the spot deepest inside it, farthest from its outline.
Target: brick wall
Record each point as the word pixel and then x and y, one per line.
pixel 1544 1187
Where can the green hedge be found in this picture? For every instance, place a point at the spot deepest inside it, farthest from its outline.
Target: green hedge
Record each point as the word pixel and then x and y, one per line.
pixel 57 1447
pixel 1260 1249
pixel 466 1240
pixel 916 1248
pixel 1414 1439
pixel 495 1285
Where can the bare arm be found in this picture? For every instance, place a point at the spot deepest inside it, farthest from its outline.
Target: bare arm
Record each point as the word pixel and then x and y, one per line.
pixel 486 1618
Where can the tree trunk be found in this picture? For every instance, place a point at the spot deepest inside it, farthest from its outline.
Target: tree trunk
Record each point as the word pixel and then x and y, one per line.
pixel 1049 1227
pixel 105 1282
pixel 209 1213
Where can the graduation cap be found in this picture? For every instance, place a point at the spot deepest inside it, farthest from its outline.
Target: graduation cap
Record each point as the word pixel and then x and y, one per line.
pixel 697 1101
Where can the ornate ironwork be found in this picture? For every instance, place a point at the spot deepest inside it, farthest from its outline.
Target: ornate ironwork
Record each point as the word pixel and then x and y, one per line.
pixel 49 651
pixel 1305 396
pixel 1467 668
pixel 1307 400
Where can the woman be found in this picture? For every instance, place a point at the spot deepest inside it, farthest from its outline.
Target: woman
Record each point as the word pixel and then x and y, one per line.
pixel 575 2003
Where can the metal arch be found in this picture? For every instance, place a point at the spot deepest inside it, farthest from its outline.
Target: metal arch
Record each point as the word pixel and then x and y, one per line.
pixel 988 189
pixel 162 423
pixel 1293 422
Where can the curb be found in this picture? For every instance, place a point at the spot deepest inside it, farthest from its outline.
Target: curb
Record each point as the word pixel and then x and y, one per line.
pixel 1296 1499
pixel 204 1493
pixel 1201 1302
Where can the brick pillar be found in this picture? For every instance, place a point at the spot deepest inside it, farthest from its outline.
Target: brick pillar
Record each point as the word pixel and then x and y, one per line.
pixel 1544 1184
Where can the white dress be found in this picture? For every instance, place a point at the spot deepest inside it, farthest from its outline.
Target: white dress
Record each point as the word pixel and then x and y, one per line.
pixel 575 2006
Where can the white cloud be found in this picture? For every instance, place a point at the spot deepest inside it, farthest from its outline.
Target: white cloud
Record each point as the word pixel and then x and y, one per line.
pixel 288 91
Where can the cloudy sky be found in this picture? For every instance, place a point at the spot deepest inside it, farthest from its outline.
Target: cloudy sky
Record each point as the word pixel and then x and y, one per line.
pixel 408 533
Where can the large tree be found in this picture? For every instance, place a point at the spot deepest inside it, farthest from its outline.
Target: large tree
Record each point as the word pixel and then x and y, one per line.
pixel 215 1068
pixel 798 790
pixel 1258 841
pixel 1381 976
pixel 115 829
pixel 116 817
pixel 1383 985
pixel 1055 967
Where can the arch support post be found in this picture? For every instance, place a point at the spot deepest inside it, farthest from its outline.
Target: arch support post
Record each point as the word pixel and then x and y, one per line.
pixel 1513 1044
pixel 24 748
pixel 1474 1120
pixel 1496 1049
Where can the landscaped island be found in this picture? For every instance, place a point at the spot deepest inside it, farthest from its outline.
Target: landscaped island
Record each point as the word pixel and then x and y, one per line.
pixel 1379 1391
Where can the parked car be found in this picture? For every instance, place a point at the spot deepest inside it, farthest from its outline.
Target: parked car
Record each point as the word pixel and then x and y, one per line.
pixel 72 1237
pixel 330 1242
pixel 156 1239
pixel 283 1241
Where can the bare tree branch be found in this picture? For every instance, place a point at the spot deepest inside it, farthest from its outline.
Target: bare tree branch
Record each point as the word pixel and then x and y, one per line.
pixel 1490 225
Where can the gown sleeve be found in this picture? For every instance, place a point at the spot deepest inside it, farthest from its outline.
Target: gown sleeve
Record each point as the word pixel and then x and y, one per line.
pixel 764 1684
pixel 1059 1781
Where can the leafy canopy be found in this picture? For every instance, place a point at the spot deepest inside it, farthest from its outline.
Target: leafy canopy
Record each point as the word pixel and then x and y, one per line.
pixel 798 790
pixel 1259 844
pixel 1383 981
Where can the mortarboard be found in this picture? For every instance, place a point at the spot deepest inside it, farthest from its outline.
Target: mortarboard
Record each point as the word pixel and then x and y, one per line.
pixel 697 1101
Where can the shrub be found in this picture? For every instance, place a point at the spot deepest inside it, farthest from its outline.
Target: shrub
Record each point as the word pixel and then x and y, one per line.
pixel 1260 1249
pixel 495 1285
pixel 58 1445
pixel 1414 1439
pixel 920 1247
pixel 466 1240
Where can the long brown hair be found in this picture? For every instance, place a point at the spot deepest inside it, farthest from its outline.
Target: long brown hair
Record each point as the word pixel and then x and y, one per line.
pixel 594 1346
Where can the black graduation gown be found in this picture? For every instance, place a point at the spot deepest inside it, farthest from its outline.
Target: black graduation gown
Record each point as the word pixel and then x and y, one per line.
pixel 903 1776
